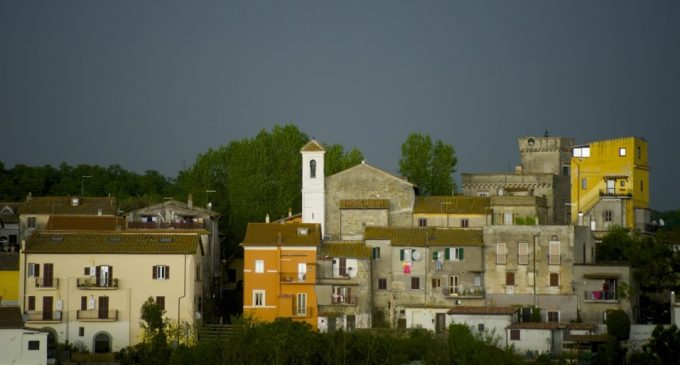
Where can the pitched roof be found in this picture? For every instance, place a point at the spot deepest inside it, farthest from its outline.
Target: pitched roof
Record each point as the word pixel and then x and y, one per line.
pixel 113 242
pixel 85 223
pixel 517 200
pixel 175 204
pixel 345 249
pixel 312 146
pixel 551 325
pixel 63 205
pixel 451 205
pixel 364 203
pixel 291 234
pixel 364 165
pixel 425 236
pixel 483 310
pixel 9 261
pixel 10 318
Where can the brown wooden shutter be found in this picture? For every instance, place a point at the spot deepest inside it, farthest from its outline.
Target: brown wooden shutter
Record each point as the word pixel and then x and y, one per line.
pixel 160 300
pixel 103 307
pixel 83 303
pixel 31 303
pixel 87 271
pixel 167 272
pixel 98 272
pixel 37 270
pixel 110 275
pixel 49 275
pixel 154 273
pixel 47 308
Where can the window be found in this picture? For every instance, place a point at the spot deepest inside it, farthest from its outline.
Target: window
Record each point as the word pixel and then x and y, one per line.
pixel 582 151
pixel 81 331
pixel 83 303
pixel 501 254
pixel 436 283
pixel 382 284
pixel 553 316
pixel 565 170
pixel 514 335
pixel 415 283
pixel 478 279
pixel 554 279
pixel 405 254
pixel 480 327
pixel 607 215
pixel 198 272
pixel 376 253
pixel 199 303
pixel 259 266
pixel 31 222
pixel 160 301
pixel 639 152
pixel 483 194
pixel 31 303
pixel 584 184
pixel 454 284
pixel 554 253
pixel 454 254
pixel 510 278
pixel 622 151
pixel 623 183
pixel 507 219
pixel 523 253
pixel 422 222
pixel 33 345
pixel 161 272
pixel 312 169
pixel 301 304
pixel 258 298
pixel 302 271
pixel 33 270
pixel 464 222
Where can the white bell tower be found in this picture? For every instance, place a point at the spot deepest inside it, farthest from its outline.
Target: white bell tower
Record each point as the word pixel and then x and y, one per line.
pixel 313 184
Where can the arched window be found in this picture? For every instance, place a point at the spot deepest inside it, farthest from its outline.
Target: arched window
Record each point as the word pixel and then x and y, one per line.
pixel 102 343
pixel 312 169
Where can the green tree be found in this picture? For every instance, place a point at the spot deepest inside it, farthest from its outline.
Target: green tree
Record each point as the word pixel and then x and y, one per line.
pixel 428 165
pixel 618 324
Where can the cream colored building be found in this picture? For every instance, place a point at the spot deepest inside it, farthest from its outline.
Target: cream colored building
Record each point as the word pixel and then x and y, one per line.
pixel 88 287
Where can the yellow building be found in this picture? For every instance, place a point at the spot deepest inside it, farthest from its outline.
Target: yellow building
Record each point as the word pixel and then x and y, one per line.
pixel 610 184
pixel 9 278
pixel 279 271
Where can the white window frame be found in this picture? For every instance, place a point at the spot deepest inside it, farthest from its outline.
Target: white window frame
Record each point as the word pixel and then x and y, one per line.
pixel 31 270
pixel 302 271
pixel 554 258
pixel 31 222
pixel 161 272
pixel 547 318
pixel 259 266
pixel 622 151
pixel 301 310
pixel 501 254
pixel 523 258
pixel 508 219
pixel 456 254
pixel 259 298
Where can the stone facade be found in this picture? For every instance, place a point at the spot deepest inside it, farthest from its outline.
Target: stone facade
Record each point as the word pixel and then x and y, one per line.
pixel 604 287
pixel 366 182
pixel 519 207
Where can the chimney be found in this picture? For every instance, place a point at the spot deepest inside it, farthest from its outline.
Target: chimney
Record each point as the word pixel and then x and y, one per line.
pixel 266 219
pixel 190 202
pixel 290 212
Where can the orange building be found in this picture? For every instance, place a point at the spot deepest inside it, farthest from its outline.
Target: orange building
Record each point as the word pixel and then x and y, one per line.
pixel 279 271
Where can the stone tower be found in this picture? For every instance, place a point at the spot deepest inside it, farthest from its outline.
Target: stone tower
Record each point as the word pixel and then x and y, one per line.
pixel 313 184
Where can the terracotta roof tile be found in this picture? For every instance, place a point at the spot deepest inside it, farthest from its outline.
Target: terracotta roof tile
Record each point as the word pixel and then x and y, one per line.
pixel 551 325
pixel 113 242
pixel 312 146
pixel 346 249
pixel 426 236
pixel 85 223
pixel 483 310
pixel 10 318
pixel 292 234
pixel 451 205
pixel 9 261
pixel 364 204
pixel 62 205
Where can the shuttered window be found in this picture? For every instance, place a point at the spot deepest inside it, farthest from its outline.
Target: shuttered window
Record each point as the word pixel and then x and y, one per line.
pixel 523 253
pixel 501 254
pixel 554 254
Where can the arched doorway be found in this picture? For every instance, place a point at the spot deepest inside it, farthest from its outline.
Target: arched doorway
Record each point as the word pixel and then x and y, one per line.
pixel 102 342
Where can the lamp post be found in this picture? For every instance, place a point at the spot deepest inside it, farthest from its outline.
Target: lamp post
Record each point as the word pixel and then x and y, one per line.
pixel 82 184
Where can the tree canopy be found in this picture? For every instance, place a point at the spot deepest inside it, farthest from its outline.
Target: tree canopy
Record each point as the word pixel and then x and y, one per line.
pixel 428 165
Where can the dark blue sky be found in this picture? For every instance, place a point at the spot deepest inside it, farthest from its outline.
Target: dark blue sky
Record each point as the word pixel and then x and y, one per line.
pixel 149 85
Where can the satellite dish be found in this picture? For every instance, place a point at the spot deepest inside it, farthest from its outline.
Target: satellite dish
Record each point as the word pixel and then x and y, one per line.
pixel 416 256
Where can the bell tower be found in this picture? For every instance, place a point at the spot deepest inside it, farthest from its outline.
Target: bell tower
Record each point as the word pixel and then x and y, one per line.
pixel 313 184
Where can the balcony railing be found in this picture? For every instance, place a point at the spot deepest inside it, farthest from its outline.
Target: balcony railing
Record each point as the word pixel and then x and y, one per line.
pixel 97 315
pixel 89 282
pixel 53 316
pixel 294 277
pixel 599 295
pixel 343 299
pixel 47 283
pixel 164 225
pixel 463 291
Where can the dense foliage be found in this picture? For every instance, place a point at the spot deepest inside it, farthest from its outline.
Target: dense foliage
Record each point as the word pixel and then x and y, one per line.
pixel 428 165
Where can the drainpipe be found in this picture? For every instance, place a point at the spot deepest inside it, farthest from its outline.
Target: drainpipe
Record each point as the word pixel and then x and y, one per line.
pixel 179 300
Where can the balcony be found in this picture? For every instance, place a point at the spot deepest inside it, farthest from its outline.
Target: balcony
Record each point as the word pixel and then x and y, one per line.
pixel 47 283
pixel 96 315
pixel 43 317
pixel 343 299
pixel 463 291
pixel 294 277
pixel 164 225
pixel 90 282
pixel 600 296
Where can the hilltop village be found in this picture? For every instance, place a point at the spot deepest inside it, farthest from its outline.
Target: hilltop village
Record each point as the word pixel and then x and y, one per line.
pixel 513 255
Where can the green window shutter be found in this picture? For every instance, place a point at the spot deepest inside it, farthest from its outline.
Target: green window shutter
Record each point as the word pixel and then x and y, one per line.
pixel 447 254
pixel 401 254
pixel 434 255
pixel 460 253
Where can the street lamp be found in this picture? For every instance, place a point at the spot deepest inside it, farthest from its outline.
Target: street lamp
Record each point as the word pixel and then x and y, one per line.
pixel 82 184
